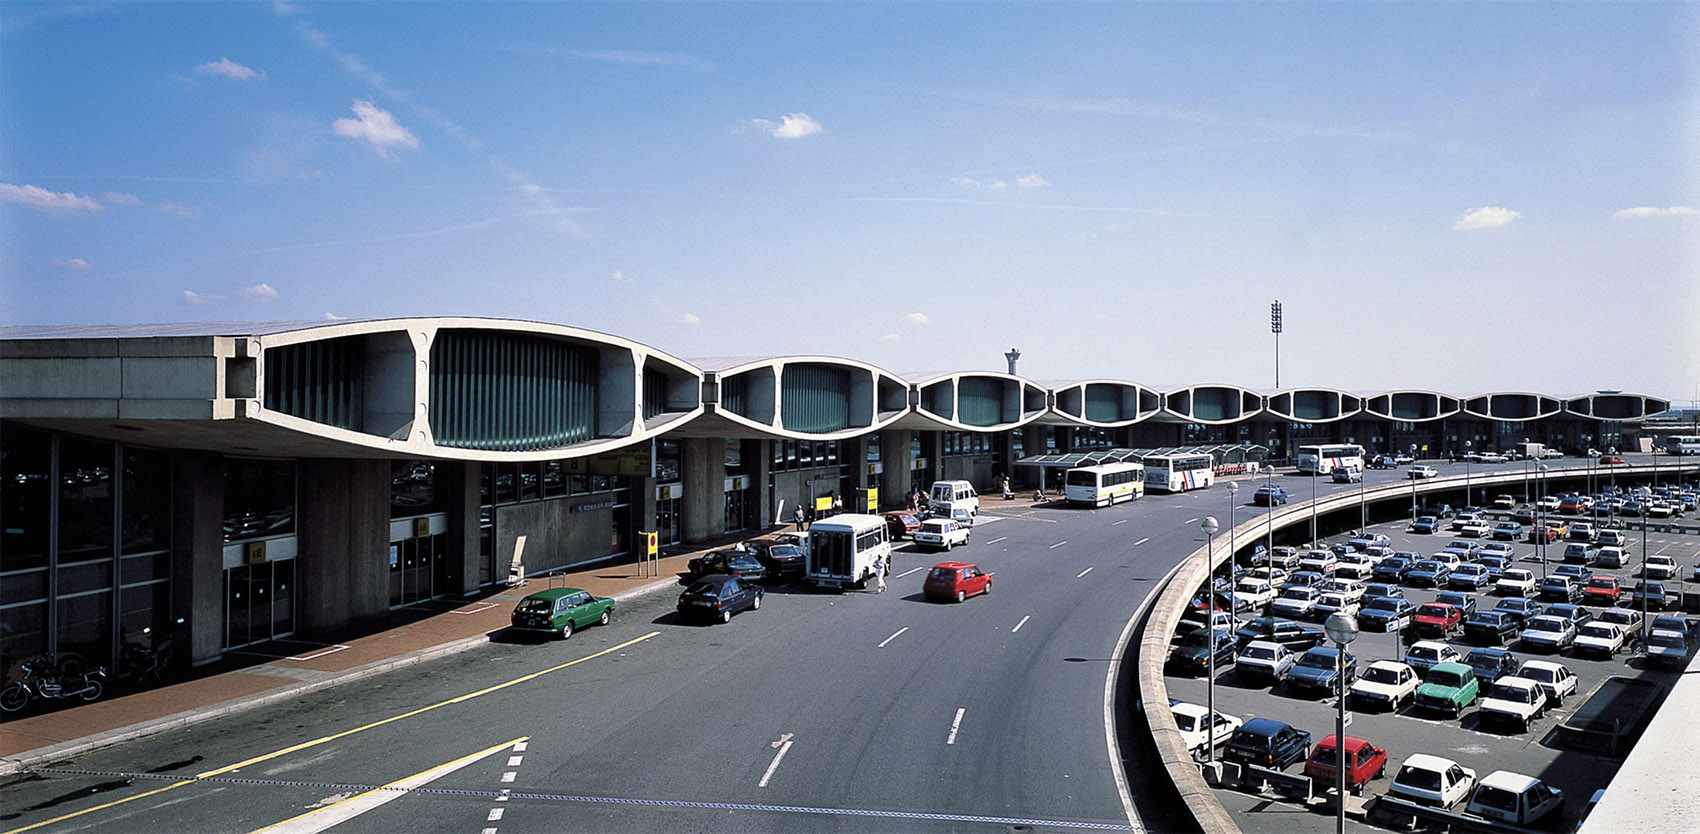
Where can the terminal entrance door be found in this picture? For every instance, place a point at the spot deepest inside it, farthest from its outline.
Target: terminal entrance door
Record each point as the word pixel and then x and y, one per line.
pixel 667 513
pixel 417 567
pixel 259 602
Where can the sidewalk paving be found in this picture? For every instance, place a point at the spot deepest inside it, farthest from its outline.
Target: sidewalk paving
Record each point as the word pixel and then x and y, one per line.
pixel 260 675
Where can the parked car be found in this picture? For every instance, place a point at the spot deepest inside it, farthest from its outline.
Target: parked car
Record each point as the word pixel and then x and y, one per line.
pixel 1296 603
pixel 1658 566
pixel 1523 514
pixel 1516 799
pixel 1364 762
pixel 1262 661
pixel 1438 619
pixel 1191 656
pixel 1491 664
pixel 1269 496
pixel 1422 472
pixel 1385 614
pixel 1190 719
pixel 1268 743
pixel 1294 635
pixel 1424 654
pixel 1509 531
pixel 1612 556
pixel 1475 528
pixel 1355 566
pixel 1430 572
pixel 1649 593
pixel 1602 590
pixel 1514 701
pixel 1555 678
pixel 1253 595
pixel 1667 647
pixel 1393 569
pixel 1548 633
pixel 1560 589
pixel 941 534
pixel 1497 550
pixel 1448 687
pixel 1318 670
pixel 1581 553
pixel 1383 589
pixel 1491 628
pixel 956 580
pixel 780 558
pixel 1424 524
pixel 1516 582
pixel 719 596
pixel 1612 538
pixel 1629 618
pixel 1364 541
pixel 729 562
pixel 1544 533
pixel 561 611
pixel 1319 561
pixel 1521 608
pixel 1386 684
pixel 1599 639
pixel 901 524
pixel 1579 574
pixel 1432 780
pixel 1581 531
pixel 1471 576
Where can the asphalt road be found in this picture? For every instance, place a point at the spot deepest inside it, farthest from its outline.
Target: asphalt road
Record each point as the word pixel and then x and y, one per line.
pixel 819 712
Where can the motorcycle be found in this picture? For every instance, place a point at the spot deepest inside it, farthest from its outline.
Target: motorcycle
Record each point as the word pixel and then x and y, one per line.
pixel 45 678
pixel 142 662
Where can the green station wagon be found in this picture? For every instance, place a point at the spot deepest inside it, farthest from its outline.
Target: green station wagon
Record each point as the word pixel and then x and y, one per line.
pixel 1449 687
pixel 561 611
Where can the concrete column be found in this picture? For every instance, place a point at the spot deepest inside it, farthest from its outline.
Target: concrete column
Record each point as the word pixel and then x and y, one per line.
pixel 763 490
pixel 343 536
pixel 457 481
pixel 895 457
pixel 704 471
pixel 197 552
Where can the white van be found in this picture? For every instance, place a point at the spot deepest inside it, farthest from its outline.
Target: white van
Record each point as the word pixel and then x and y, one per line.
pixel 949 496
pixel 842 549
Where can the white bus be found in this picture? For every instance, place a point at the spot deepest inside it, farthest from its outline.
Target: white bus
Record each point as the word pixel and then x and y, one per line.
pixel 842 550
pixel 1683 444
pixel 1102 486
pixel 1323 459
pixel 1179 473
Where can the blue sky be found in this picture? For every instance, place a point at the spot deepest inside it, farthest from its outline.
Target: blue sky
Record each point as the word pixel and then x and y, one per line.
pixel 1458 196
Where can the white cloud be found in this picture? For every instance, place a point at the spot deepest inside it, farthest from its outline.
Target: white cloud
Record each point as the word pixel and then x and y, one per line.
pixel 72 263
pixel 334 317
pixel 264 292
pixel 375 125
pixel 793 126
pixel 916 318
pixel 229 69
pixel 891 337
pixel 1031 181
pixel 119 198
pixel 200 297
pixel 1653 211
pixel 1486 217
pixel 690 319
pixel 620 277
pixel 974 183
pixel 180 211
pixel 61 203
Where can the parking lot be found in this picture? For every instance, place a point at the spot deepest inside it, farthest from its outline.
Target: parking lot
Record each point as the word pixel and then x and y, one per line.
pixel 1465 739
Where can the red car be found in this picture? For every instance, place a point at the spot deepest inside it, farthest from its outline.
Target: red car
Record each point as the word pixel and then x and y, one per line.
pixel 1438 618
pixel 956 580
pixel 1364 762
pixel 1603 590
pixel 1610 459
pixel 1541 531
pixel 902 524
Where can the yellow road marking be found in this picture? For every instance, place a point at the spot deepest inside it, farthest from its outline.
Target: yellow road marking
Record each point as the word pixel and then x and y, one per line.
pixel 344 734
pixel 337 813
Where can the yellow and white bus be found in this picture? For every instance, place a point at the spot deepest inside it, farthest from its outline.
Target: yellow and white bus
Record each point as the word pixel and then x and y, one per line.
pixel 1104 485
pixel 1179 472
pixel 1324 459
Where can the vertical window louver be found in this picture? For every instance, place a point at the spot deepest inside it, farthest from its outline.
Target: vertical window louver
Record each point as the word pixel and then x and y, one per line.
pixel 733 394
pixel 979 401
pixel 508 392
pixel 816 398
pixel 1103 404
pixel 318 381
pixel 654 394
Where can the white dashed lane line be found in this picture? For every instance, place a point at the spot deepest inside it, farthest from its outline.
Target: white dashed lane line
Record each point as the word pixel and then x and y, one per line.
pixel 1082 573
pixel 1189 521
pixel 1123 521
pixel 893 637
pixel 1020 624
pixel 907 572
pixel 784 745
pixel 955 725
pixel 1058 544
pixel 1142 541
pixel 996 540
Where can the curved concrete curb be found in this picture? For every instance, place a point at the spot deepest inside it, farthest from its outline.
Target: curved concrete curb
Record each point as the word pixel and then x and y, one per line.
pixel 207 713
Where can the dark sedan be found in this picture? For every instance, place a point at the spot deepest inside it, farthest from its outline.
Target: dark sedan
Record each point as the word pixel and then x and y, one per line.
pixel 1491 628
pixel 719 596
pixel 734 562
pixel 1491 664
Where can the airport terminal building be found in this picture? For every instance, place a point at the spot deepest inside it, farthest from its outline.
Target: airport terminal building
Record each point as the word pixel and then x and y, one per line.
pixel 257 480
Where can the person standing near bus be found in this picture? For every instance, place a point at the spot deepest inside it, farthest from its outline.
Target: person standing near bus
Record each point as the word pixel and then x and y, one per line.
pixel 879 575
pixel 798 517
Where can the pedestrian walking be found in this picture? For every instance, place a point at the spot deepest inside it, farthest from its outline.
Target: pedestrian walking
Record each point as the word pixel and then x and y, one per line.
pixel 798 517
pixel 1007 494
pixel 879 574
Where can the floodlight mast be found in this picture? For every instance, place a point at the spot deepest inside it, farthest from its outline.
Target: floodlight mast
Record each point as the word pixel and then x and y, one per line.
pixel 1275 327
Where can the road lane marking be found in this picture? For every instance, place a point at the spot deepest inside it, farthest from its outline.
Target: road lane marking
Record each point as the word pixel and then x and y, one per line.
pixel 331 816
pixel 1123 521
pixel 1142 541
pixel 1189 521
pixel 508 777
pixel 783 748
pixel 1058 544
pixel 955 725
pixel 1020 624
pixel 495 816
pixel 335 736
pixel 894 636
pixel 907 572
pixel 996 540
pixel 1082 573
pixel 514 761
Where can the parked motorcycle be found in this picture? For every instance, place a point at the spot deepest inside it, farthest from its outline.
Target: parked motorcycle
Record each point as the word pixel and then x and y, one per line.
pixel 140 663
pixel 45 678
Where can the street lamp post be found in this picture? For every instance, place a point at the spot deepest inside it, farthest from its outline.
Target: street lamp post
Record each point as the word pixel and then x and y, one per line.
pixel 1210 527
pixel 1342 628
pixel 1269 525
pixel 1313 477
pixel 1413 484
pixel 1644 586
pixel 1467 446
pixel 1541 525
pixel 1612 450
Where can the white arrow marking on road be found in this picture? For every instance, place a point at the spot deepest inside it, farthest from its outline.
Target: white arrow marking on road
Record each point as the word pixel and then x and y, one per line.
pixel 1020 624
pixel 1142 541
pixel 783 748
pixel 331 816
pixel 782 739
pixel 955 725
pixel 894 636
pixel 1082 573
